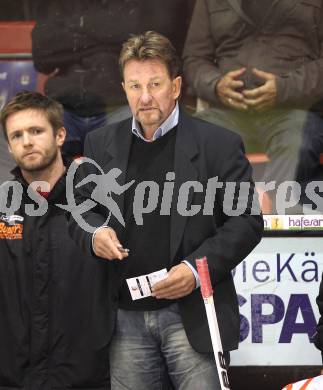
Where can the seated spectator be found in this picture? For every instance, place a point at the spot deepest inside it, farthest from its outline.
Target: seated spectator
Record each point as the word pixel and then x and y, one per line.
pixel 77 43
pixel 260 68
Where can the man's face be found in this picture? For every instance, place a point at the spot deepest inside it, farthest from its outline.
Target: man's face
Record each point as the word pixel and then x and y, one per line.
pixel 32 141
pixel 150 91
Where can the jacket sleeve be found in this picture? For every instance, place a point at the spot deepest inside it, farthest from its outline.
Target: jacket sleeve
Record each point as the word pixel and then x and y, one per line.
pixel 304 86
pixel 240 231
pixel 91 217
pixel 200 68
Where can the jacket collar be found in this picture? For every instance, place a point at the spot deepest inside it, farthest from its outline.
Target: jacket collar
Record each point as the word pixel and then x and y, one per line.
pixel 57 192
pixel 286 5
pixel 236 5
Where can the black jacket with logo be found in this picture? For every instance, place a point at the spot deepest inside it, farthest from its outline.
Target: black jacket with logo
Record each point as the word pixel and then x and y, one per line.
pixel 54 308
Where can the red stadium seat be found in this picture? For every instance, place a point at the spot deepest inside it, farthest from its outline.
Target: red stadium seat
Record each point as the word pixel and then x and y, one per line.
pixel 15 39
pixel 16 47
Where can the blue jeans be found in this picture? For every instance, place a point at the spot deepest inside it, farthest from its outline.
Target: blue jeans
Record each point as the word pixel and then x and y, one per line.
pixel 77 127
pixel 150 346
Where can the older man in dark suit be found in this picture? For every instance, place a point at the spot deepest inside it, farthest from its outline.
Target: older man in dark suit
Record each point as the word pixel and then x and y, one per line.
pixel 194 167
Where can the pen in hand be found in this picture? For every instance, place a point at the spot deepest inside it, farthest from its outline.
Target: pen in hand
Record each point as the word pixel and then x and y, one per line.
pixel 122 249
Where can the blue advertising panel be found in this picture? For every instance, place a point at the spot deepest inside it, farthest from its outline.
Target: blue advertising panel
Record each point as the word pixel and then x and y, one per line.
pixel 277 285
pixel 16 76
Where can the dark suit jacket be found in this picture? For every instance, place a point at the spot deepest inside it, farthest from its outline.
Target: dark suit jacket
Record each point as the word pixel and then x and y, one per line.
pixel 202 151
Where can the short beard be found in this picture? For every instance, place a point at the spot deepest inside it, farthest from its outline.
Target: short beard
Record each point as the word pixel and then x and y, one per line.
pixel 42 165
pixel 158 121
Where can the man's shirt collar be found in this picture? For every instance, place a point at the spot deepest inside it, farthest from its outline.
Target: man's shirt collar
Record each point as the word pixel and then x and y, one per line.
pixel 163 129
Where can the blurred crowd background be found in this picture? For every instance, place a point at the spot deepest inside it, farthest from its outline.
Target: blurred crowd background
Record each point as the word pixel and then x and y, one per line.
pixel 253 67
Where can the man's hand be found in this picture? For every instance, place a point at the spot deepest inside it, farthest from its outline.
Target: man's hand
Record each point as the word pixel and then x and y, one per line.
pixel 180 282
pixel 107 245
pixel 226 89
pixel 264 97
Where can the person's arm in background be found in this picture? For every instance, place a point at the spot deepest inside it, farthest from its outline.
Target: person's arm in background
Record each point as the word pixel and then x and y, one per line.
pixel 200 70
pixel 301 87
pixel 200 67
pixel 304 86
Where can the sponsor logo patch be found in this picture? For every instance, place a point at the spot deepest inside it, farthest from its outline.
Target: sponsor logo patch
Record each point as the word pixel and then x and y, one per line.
pixel 11 218
pixel 11 232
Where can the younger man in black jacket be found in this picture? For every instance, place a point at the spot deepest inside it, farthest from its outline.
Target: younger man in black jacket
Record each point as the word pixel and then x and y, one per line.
pixel 54 309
